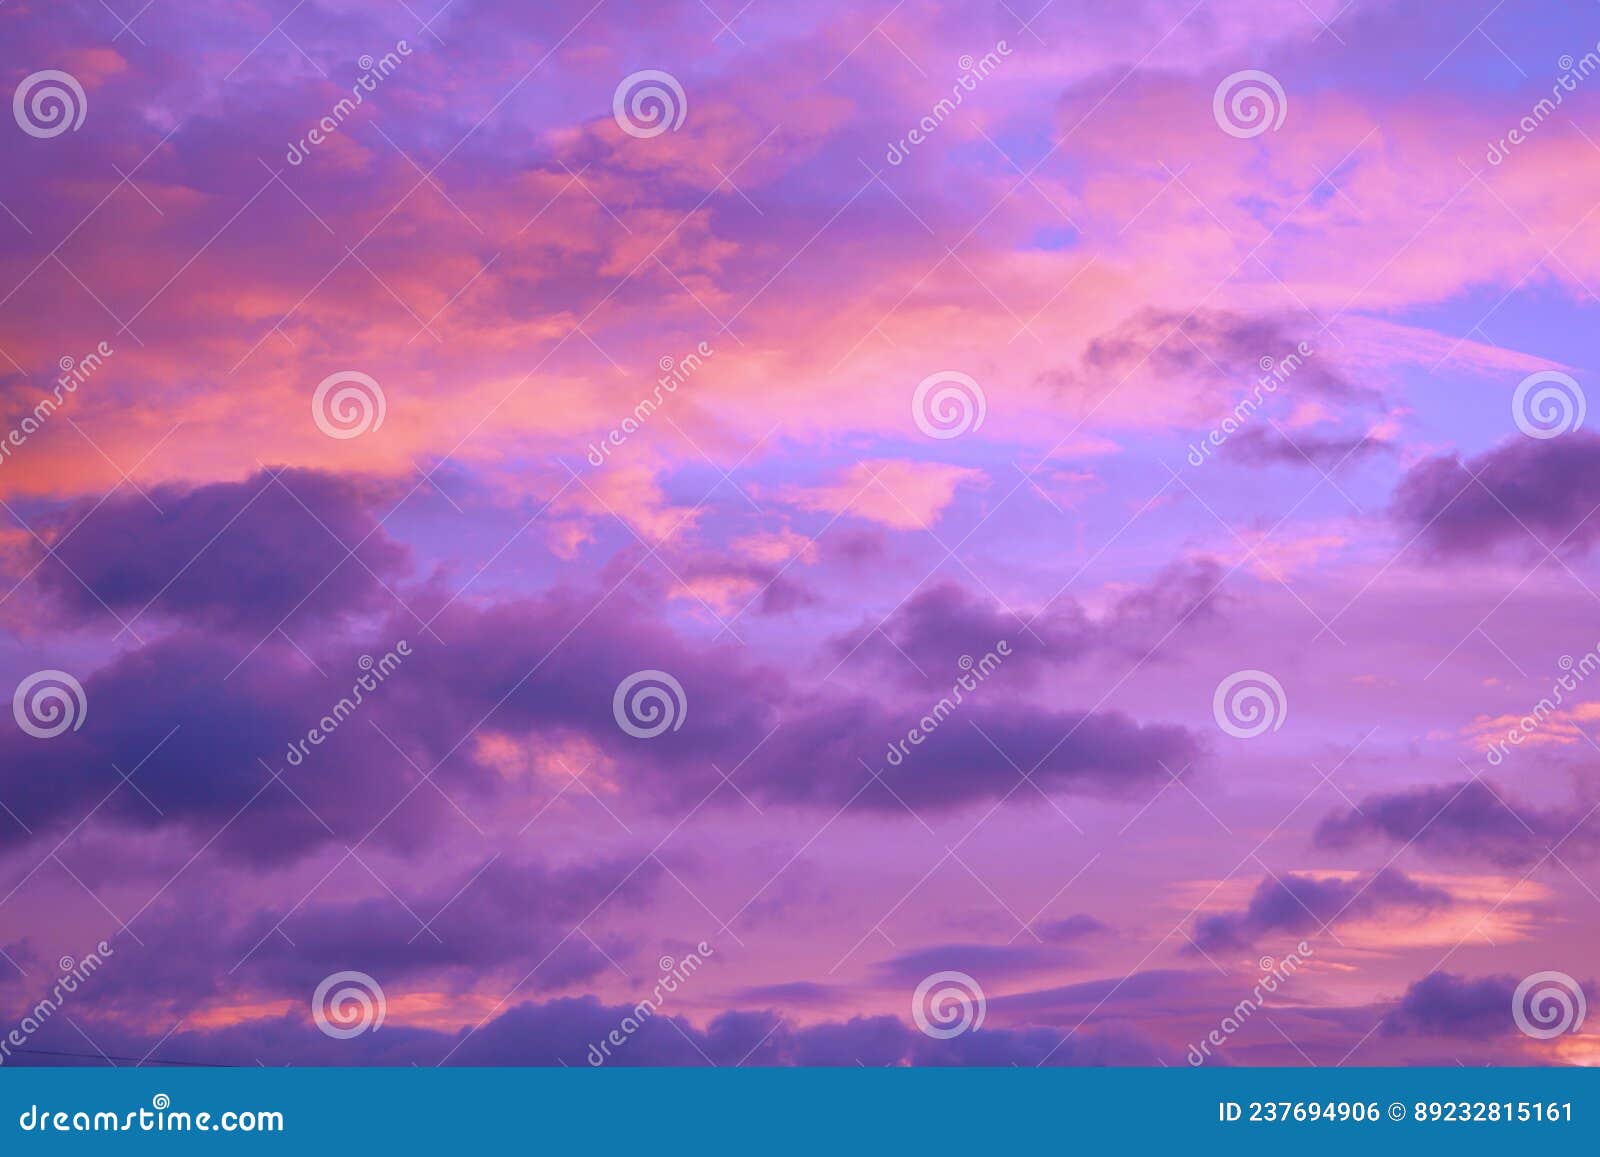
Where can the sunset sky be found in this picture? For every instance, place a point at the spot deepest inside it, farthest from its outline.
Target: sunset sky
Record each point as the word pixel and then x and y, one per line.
pixel 878 347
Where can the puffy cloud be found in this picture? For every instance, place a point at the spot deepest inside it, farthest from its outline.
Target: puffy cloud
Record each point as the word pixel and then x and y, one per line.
pixel 1299 904
pixel 1531 495
pixel 283 547
pixel 208 722
pixel 943 624
pixel 1444 1004
pixel 1471 820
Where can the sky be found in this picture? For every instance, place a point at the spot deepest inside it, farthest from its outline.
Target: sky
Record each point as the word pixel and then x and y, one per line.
pixel 615 533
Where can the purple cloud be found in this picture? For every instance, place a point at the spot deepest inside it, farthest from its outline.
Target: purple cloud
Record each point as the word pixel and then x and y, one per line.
pixel 273 549
pixel 1471 820
pixel 1528 494
pixel 1299 905
pixel 1444 1004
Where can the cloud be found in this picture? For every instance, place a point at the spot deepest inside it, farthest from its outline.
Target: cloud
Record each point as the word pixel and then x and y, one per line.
pixel 994 961
pixel 208 721
pixel 943 624
pixel 500 913
pixel 520 305
pixel 939 625
pixel 1270 447
pixel 291 547
pixel 200 726
pixel 729 584
pixel 570 1030
pixel 1527 494
pixel 1471 820
pixel 1300 904
pixel 898 493
pixel 801 993
pixel 1217 354
pixel 974 755
pixel 1143 995
pixel 1444 1004
pixel 430 946
pixel 1071 928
